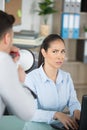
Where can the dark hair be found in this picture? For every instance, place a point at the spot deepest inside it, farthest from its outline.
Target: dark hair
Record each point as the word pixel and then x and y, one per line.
pixel 45 45
pixel 6 22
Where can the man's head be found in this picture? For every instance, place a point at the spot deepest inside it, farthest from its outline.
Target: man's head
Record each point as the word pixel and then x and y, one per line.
pixel 6 33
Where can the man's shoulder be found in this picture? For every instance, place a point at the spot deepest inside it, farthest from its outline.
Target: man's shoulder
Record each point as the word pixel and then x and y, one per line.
pixel 4 57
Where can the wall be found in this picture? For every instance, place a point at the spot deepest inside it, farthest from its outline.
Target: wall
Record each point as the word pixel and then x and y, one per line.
pixel 30 21
pixel 2 2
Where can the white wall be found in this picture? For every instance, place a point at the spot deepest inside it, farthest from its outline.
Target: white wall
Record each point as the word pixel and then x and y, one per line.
pixel 30 21
pixel 2 4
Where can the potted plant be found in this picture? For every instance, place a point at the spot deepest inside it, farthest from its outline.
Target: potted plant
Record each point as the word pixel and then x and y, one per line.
pixel 45 9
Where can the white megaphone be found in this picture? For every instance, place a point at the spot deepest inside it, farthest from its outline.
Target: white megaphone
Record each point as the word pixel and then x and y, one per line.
pixel 26 60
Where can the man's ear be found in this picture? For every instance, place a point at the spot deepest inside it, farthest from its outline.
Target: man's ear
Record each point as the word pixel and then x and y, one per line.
pixel 7 38
pixel 43 52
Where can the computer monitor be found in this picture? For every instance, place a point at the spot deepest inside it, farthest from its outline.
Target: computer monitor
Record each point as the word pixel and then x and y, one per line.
pixel 83 117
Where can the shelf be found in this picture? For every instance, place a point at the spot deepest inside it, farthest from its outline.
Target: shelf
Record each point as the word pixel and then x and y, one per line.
pixel 78 70
pixel 79 38
pixel 83 13
pixel 82 37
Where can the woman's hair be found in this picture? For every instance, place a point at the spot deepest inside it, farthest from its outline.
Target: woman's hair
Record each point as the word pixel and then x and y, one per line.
pixel 6 22
pixel 45 45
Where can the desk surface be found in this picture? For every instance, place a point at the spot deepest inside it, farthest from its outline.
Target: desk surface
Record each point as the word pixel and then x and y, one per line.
pixel 13 123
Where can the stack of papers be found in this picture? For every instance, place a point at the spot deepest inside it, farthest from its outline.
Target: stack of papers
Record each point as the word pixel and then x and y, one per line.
pixel 23 41
pixel 25 34
pixel 26 37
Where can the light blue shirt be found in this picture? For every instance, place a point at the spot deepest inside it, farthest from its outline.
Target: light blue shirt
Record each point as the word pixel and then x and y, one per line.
pixel 51 97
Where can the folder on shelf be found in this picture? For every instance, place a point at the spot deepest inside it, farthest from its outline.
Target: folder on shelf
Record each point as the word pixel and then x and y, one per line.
pixel 64 25
pixel 76 26
pixel 72 6
pixel 77 6
pixel 66 6
pixel 71 25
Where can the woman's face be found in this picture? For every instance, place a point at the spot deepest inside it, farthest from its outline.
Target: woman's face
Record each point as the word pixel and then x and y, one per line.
pixel 55 55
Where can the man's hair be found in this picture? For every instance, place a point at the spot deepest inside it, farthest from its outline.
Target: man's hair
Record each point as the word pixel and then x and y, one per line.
pixel 6 22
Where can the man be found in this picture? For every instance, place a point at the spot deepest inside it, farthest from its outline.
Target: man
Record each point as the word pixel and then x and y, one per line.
pixel 12 93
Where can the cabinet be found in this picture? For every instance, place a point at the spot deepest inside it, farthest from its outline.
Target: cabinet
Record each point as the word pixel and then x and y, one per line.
pixel 76 68
pixel 71 44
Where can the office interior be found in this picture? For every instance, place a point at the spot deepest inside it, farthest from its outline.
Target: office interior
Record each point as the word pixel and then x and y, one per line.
pixel 28 20
pixel 76 45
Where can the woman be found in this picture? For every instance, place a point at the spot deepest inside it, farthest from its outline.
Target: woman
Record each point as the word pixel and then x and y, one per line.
pixel 53 86
pixel 12 93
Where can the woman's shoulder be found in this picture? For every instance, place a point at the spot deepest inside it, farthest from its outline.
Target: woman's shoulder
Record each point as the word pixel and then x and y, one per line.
pixel 38 70
pixel 34 71
pixel 66 76
pixel 64 73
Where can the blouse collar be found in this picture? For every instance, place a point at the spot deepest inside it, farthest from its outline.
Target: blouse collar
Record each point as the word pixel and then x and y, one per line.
pixel 45 78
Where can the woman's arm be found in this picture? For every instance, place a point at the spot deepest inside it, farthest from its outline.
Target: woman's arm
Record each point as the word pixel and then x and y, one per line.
pixel 73 103
pixel 43 115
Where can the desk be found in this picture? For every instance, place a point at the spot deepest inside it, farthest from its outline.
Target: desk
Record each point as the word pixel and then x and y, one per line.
pixel 13 123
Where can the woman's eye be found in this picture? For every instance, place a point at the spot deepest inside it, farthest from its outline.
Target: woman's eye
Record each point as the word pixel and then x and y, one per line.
pixel 55 51
pixel 63 52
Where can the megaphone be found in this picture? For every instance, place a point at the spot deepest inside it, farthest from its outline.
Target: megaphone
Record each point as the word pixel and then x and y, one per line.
pixel 26 60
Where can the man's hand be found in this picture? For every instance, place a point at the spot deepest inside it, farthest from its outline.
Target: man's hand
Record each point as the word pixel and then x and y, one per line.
pixel 21 74
pixel 16 55
pixel 14 52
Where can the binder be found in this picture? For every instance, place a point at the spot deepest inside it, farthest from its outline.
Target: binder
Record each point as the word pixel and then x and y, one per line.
pixel 66 6
pixel 76 26
pixel 71 25
pixel 72 6
pixel 64 27
pixel 77 6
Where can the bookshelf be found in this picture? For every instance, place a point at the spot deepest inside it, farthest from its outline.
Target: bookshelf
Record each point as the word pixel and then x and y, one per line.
pixel 56 28
pixel 76 68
